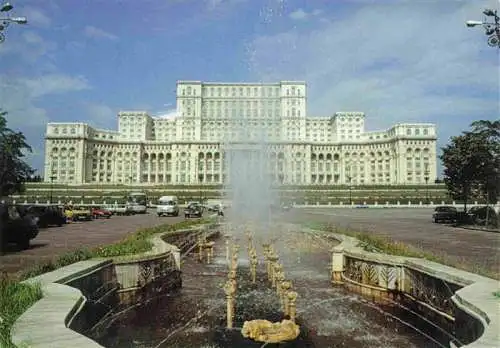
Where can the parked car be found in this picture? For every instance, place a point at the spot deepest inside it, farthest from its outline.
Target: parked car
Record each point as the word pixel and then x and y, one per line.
pixel 479 214
pixel 120 209
pixel 48 215
pixel 167 205
pixel 81 214
pixel 445 213
pixel 19 226
pixel 213 206
pixel 101 213
pixel 279 207
pixel 193 210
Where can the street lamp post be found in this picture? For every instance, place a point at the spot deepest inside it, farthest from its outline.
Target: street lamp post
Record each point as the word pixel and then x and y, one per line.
pixel 426 178
pixel 52 178
pixel 492 29
pixel 5 19
pixel 350 189
pixel 3 219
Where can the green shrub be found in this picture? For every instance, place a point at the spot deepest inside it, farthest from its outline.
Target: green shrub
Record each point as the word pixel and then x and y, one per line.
pixel 73 256
pixel 386 245
pixel 15 299
pixel 38 269
pixel 135 243
pixel 127 247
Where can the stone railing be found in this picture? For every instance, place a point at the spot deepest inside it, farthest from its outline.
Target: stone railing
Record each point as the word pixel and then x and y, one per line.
pixel 78 298
pixel 186 242
pixel 309 204
pixel 458 306
pixel 385 204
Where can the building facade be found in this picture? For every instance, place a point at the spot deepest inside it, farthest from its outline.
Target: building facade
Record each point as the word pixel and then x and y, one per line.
pixel 211 118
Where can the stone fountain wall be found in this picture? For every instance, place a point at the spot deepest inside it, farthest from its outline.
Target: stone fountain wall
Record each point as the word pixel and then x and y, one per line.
pixel 99 287
pixel 448 299
pixel 80 299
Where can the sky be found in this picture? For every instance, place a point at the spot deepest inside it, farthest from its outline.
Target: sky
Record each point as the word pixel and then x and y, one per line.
pixel 395 60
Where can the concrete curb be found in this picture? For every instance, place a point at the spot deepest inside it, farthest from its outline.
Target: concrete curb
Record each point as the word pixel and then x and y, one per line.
pixel 478 229
pixel 62 302
pixel 475 297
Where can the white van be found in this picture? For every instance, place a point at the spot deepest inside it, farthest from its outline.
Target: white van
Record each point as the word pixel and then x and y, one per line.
pixel 167 205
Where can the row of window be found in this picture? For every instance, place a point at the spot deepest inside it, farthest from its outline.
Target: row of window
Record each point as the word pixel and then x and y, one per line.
pixel 295 177
pixel 241 91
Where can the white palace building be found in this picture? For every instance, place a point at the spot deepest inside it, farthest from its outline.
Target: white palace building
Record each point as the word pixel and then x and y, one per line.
pixel 211 117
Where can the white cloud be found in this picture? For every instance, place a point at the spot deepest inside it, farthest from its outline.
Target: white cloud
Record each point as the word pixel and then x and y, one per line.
pixel 214 4
pixel 395 67
pixel 28 47
pixel 211 4
pixel 300 14
pixel 101 116
pixel 30 75
pixel 36 17
pixel 53 84
pixel 97 33
pixel 171 114
pixel 19 95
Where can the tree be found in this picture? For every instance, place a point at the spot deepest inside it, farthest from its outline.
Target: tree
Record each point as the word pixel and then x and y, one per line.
pixel 471 162
pixel 14 171
pixel 489 133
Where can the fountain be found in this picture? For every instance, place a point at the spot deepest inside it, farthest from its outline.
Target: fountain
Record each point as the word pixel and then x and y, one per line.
pixel 260 306
pixel 267 332
pixel 261 330
pixel 253 266
pixel 270 300
pixel 230 290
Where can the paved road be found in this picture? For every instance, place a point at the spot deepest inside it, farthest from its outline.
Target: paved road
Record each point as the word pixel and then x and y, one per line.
pixel 55 241
pixel 477 249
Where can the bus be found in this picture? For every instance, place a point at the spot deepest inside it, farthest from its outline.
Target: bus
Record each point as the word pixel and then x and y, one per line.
pixel 137 202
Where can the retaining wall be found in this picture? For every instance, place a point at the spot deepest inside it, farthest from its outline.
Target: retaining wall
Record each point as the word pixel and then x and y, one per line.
pixel 448 299
pixel 456 301
pixel 79 299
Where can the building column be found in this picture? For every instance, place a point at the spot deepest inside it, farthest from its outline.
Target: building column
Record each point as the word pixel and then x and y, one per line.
pixel 138 168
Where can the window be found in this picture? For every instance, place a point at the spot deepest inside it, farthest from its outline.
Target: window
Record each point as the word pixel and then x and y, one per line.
pixel 408 131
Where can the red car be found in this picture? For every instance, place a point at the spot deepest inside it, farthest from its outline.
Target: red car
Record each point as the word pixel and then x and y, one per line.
pixel 99 213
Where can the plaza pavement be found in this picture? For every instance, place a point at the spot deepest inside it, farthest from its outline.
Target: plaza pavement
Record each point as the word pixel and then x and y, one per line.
pixel 54 241
pixel 413 227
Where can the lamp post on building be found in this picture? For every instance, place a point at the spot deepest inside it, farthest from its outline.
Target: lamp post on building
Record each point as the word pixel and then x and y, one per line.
pixel 350 190
pixel 492 29
pixel 5 19
pixel 349 177
pixel 52 178
pixel 487 184
pixel 426 178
